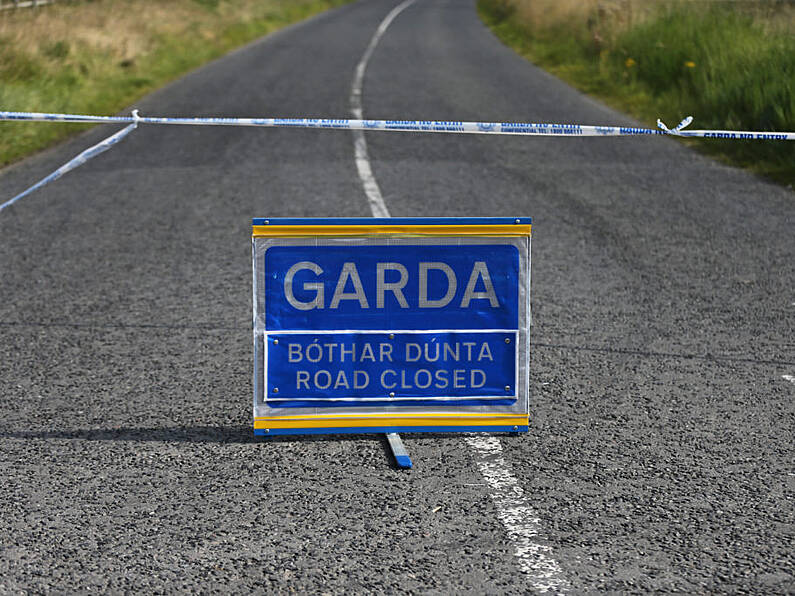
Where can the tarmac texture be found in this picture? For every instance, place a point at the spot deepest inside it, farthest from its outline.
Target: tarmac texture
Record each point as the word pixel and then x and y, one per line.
pixel 660 453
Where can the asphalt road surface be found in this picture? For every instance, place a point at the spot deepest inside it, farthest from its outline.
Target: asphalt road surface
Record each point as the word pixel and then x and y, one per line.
pixel 660 452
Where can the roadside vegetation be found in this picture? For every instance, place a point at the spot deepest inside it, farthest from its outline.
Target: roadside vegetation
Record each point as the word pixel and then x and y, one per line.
pixel 98 56
pixel 729 64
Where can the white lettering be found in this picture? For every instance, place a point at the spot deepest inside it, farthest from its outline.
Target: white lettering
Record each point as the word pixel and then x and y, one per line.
pixel 452 285
pixel 485 352
pixel 351 352
pixel 319 352
pixel 327 382
pixel 302 377
pixel 367 353
pixel 342 381
pixel 294 353
pixel 357 374
pixel 474 384
pixel 349 271
pixel 315 286
pixel 435 355
pixel 479 269
pixel 349 275
pixel 395 287
pixel 448 349
pixel 417 382
pixel 383 379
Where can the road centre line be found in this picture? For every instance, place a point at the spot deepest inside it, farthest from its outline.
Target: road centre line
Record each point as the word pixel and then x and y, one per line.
pixel 518 518
pixel 371 189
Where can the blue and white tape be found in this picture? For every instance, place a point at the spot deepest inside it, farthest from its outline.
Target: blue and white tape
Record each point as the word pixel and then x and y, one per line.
pixel 431 126
pixel 437 126
pixel 78 161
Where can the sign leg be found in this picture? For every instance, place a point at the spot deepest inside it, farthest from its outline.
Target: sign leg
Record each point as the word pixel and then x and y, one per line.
pixel 399 451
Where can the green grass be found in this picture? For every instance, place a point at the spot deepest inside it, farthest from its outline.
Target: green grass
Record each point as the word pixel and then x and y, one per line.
pixel 99 57
pixel 712 61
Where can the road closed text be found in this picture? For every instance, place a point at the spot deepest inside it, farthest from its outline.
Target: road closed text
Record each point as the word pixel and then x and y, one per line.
pixel 402 364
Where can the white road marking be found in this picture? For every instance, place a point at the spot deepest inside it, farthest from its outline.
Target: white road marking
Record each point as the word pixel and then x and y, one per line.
pixel 517 516
pixel 371 189
pixel 789 378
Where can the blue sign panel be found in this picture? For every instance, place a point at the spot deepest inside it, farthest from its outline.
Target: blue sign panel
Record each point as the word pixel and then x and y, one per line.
pixel 391 325
pixel 407 369
pixel 388 287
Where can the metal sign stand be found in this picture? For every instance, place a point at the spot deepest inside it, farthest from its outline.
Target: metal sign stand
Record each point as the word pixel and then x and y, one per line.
pixel 399 451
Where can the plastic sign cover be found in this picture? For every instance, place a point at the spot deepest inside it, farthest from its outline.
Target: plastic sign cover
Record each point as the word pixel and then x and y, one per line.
pixel 391 325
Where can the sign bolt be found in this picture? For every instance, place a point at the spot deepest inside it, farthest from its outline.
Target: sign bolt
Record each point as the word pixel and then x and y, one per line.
pixel 391 336
pixel 276 389
pixel 276 341
pixel 267 221
pixel 516 428
pixel 517 221
pixel 507 388
pixel 507 340
pixel 391 394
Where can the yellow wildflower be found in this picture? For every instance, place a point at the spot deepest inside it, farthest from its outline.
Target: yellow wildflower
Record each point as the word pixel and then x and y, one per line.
pixel 630 63
pixel 690 64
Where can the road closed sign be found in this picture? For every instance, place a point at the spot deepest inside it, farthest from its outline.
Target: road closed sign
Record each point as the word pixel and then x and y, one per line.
pixel 391 325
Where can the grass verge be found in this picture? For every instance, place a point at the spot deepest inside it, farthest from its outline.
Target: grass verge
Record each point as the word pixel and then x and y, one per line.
pixel 96 57
pixel 731 65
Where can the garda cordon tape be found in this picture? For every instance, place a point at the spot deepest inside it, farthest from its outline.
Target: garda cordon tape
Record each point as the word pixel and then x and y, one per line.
pixel 437 126
pixel 423 126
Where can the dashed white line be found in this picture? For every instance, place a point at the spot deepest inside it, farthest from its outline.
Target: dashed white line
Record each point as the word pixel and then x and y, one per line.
pixel 517 516
pixel 789 378
pixel 371 189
